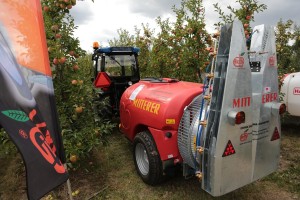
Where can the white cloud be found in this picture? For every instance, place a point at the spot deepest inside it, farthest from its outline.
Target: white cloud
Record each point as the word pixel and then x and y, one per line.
pixel 99 21
pixel 152 8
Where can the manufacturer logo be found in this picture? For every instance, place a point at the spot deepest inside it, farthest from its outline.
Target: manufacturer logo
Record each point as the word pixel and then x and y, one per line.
pixel 42 141
pixel 296 91
pixel 269 97
pixel 23 134
pixel 39 141
pixel 239 62
pixel 244 137
pixel 146 105
pixel 241 102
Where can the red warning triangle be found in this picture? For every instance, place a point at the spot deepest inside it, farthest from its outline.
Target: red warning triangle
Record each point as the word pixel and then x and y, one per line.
pixel 102 80
pixel 275 135
pixel 229 149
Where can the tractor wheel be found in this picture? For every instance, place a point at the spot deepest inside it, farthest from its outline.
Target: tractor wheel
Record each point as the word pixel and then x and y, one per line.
pixel 146 159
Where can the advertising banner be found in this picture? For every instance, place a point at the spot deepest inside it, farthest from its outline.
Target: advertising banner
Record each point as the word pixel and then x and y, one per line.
pixel 27 105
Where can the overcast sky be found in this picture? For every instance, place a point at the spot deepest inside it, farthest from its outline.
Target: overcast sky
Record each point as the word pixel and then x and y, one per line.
pixel 99 21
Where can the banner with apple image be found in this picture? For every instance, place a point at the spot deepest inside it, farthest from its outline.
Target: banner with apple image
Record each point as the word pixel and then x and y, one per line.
pixel 27 104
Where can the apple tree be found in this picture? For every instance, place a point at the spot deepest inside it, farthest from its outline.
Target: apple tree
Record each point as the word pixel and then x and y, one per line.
pixel 245 13
pixel 142 39
pixel 71 72
pixel 295 62
pixel 287 47
pixel 284 35
pixel 177 50
pixel 187 41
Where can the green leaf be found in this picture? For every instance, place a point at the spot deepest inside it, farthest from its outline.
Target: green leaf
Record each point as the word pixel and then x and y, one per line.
pixel 242 53
pixel 16 115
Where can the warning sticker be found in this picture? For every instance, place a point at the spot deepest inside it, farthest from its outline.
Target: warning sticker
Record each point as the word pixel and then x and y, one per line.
pixel 170 121
pixel 267 89
pixel 296 91
pixel 136 92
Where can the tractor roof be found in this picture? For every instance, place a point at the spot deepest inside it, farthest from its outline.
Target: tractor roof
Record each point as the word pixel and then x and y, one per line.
pixel 118 50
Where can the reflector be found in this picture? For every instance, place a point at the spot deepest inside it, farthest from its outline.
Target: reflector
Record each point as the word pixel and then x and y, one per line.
pixel 275 135
pixel 240 117
pixel 102 80
pixel 229 149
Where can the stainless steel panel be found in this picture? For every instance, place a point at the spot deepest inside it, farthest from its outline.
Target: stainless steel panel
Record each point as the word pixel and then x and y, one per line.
pixel 235 88
pixel 232 93
pixel 265 93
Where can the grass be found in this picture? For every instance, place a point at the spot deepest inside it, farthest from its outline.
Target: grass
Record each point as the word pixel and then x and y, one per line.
pixel 116 162
pixel 288 175
pixel 111 174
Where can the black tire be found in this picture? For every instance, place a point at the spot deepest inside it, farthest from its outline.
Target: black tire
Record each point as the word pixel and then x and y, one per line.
pixel 154 174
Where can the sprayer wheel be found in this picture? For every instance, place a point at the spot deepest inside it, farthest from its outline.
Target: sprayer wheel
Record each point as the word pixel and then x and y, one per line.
pixel 146 158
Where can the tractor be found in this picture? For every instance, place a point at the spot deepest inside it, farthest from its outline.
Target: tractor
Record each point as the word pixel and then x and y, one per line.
pixel 226 131
pixel 115 69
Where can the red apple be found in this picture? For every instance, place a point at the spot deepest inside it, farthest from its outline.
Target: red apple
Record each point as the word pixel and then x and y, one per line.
pixel 55 61
pixel 79 109
pixel 74 82
pixel 75 67
pixel 46 9
pixel 57 35
pixel 69 6
pixel 72 53
pixel 248 17
pixel 246 25
pixel 62 60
